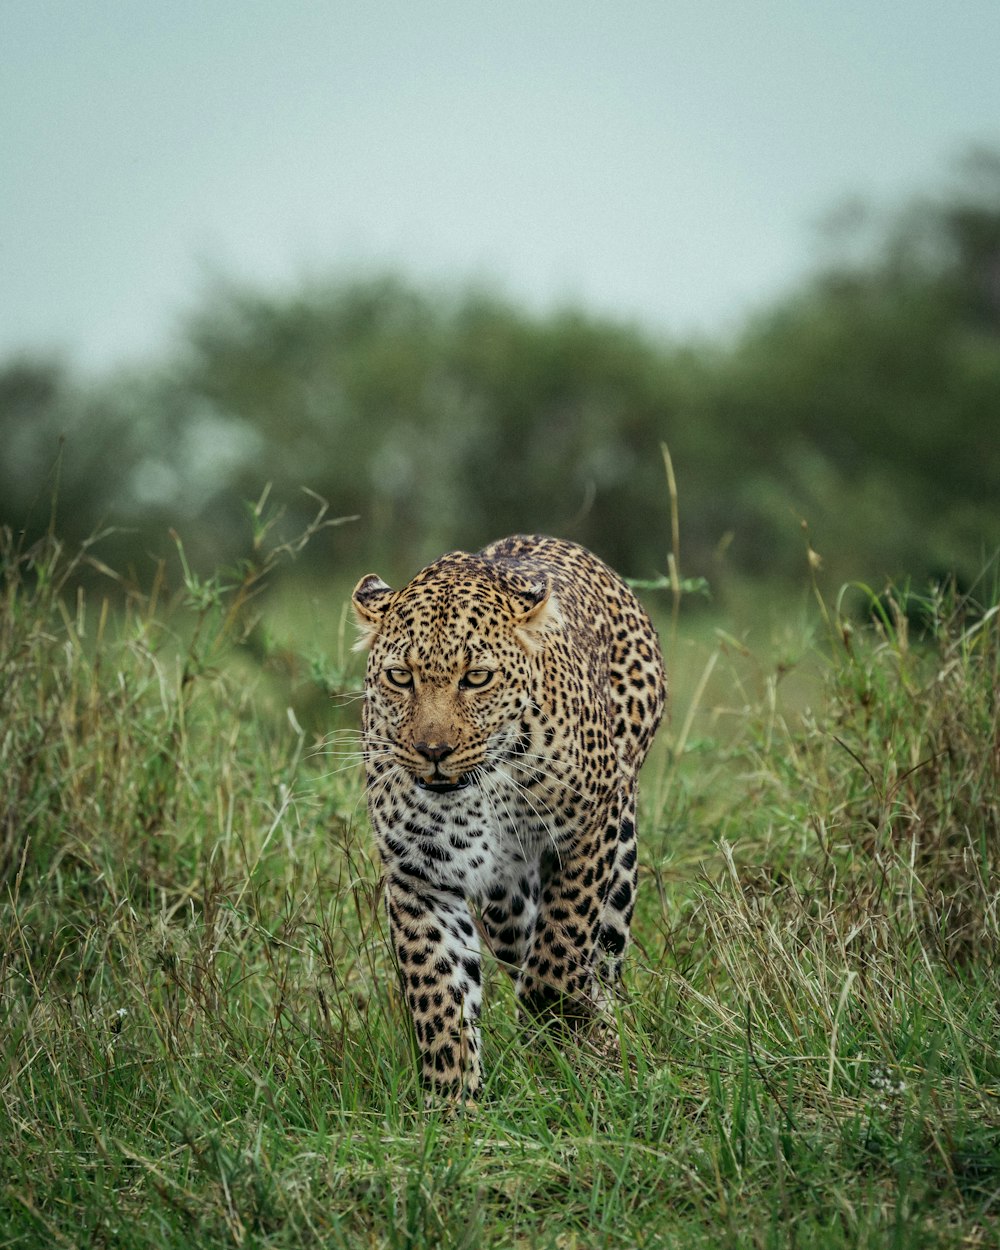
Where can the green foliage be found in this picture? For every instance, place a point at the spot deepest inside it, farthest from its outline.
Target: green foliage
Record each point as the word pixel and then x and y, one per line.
pixel 439 422
pixel 865 402
pixel 200 1036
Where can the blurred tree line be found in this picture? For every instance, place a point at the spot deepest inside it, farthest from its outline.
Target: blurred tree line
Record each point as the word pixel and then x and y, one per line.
pixel 867 402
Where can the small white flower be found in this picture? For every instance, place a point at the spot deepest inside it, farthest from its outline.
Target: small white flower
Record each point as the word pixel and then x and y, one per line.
pixel 891 1086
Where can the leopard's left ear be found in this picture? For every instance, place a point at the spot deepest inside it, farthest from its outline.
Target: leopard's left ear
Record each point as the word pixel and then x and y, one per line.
pixel 370 600
pixel 539 616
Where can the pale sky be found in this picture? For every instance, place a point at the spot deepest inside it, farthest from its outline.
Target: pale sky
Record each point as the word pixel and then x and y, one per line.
pixel 663 162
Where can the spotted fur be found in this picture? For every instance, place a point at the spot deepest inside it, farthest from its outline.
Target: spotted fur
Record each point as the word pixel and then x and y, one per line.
pixel 510 699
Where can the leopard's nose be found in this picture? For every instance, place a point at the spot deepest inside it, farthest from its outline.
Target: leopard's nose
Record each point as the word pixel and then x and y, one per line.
pixel 435 752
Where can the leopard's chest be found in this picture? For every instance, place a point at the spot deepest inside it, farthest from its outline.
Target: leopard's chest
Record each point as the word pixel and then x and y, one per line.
pixel 468 840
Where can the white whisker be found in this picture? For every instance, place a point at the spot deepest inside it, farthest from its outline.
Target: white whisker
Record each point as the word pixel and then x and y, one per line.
pixel 515 761
pixel 490 790
pixel 541 810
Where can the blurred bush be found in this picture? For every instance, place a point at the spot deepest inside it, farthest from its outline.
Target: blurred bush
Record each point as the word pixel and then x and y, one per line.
pixel 866 402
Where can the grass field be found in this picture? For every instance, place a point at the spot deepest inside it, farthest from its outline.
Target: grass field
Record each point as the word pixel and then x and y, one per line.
pixel 201 1041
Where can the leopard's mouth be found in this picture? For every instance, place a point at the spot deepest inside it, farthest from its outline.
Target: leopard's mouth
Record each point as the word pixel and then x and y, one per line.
pixel 443 786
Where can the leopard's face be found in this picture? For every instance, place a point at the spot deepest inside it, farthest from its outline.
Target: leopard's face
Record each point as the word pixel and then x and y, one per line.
pixel 445 714
pixel 448 681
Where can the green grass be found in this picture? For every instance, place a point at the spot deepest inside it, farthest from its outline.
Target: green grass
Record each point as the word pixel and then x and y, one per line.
pixel 201 1041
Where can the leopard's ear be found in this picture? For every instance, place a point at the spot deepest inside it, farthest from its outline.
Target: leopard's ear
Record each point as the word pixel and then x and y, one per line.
pixel 370 600
pixel 538 616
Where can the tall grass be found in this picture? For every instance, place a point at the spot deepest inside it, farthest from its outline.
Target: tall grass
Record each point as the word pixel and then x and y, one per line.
pixel 201 1042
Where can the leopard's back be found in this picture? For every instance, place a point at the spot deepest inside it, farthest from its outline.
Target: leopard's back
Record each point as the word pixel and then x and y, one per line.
pixel 612 641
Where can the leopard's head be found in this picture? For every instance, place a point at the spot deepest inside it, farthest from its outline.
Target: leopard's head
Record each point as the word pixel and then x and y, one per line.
pixel 449 667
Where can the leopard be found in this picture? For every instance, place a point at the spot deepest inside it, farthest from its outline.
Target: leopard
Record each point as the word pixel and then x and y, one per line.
pixel 511 696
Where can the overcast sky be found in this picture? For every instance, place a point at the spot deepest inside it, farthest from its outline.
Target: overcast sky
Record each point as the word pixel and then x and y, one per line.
pixel 666 162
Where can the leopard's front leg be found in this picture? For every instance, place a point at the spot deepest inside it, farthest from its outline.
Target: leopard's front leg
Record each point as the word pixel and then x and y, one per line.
pixel 559 974
pixel 437 948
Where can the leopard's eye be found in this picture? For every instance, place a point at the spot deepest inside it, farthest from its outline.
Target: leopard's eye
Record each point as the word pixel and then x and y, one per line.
pixel 401 678
pixel 477 678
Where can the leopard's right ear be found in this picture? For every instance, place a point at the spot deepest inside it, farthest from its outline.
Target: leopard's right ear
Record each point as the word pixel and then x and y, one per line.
pixel 538 615
pixel 370 600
